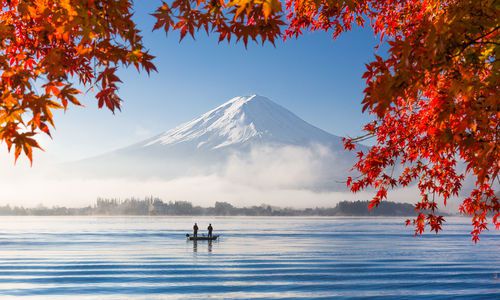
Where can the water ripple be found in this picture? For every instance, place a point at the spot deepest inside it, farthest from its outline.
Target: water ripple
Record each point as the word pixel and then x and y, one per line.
pixel 271 258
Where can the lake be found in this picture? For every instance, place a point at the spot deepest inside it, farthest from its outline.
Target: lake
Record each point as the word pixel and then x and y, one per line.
pixel 268 257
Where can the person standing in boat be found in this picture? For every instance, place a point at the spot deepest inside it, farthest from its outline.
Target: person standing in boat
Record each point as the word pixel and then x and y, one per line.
pixel 210 229
pixel 195 230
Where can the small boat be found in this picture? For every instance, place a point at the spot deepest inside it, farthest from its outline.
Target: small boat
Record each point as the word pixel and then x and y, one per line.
pixel 202 238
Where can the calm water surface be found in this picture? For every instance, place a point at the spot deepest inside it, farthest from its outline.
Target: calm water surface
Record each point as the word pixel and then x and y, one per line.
pixel 323 258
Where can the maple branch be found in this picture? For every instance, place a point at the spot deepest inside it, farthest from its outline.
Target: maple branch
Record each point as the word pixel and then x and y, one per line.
pixel 362 138
pixel 473 41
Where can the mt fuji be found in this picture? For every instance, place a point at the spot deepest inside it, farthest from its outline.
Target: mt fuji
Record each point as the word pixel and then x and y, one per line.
pixel 247 134
pixel 243 121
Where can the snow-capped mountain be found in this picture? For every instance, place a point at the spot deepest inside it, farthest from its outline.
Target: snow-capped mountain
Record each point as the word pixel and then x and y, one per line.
pixel 251 130
pixel 244 120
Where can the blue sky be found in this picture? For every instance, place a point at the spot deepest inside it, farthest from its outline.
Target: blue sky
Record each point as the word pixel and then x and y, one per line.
pixel 316 77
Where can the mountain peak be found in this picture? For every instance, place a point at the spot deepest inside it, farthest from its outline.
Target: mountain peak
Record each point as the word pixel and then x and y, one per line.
pixel 241 120
pixel 240 101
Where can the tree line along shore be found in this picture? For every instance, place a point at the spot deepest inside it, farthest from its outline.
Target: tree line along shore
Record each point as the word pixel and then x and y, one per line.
pixel 151 206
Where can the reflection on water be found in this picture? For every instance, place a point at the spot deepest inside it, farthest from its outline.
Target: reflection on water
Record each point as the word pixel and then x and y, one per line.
pixel 195 245
pixel 149 258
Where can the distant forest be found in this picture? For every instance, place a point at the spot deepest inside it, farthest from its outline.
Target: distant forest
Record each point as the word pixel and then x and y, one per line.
pixel 156 207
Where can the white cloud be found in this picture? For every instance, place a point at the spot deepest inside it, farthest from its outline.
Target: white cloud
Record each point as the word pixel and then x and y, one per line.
pixel 287 176
pixel 288 167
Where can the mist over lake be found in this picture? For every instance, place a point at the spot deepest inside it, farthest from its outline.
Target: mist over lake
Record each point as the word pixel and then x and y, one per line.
pixel 256 257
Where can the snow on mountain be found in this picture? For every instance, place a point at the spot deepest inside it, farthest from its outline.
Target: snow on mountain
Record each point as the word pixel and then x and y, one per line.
pixel 244 120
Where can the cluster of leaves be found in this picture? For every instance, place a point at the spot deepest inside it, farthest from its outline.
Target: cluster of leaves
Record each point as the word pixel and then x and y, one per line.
pixel 45 45
pixel 242 19
pixel 434 97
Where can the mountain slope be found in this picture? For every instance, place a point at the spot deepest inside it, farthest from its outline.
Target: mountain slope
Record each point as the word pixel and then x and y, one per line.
pixel 245 131
pixel 240 121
